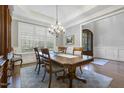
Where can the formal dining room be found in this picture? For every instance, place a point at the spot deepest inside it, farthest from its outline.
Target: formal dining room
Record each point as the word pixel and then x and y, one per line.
pixel 61 46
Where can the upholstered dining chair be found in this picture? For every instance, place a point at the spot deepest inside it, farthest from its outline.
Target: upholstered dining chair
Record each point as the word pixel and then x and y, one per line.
pixel 38 59
pixel 62 49
pixel 50 66
pixel 15 58
pixel 79 52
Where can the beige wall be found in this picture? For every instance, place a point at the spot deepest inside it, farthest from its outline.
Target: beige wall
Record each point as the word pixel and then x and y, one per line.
pixel 75 30
pixel 108 31
pixel 108 36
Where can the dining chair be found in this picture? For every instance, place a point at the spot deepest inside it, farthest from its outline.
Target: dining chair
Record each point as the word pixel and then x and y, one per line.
pixel 14 57
pixel 62 49
pixel 50 66
pixel 38 59
pixel 79 52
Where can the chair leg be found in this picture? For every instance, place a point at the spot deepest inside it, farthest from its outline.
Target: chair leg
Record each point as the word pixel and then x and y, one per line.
pixel 50 79
pixel 81 69
pixel 63 75
pixel 21 62
pixel 36 67
pixel 56 74
pixel 44 75
pixel 13 66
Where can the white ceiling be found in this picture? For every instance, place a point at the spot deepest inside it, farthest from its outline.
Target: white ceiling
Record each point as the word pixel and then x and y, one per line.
pixel 50 10
pixel 67 13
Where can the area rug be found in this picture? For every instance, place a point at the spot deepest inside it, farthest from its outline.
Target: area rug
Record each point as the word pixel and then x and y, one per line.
pixel 100 62
pixel 30 79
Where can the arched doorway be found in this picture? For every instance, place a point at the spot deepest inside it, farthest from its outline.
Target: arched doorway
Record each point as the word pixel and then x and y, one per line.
pixel 87 42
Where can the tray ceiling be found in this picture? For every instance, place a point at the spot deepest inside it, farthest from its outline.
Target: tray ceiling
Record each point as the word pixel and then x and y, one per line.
pixel 67 13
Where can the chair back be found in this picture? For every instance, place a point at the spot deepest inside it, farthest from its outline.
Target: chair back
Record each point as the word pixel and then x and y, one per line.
pixel 78 51
pixel 62 49
pixel 37 54
pixel 46 58
pixel 10 55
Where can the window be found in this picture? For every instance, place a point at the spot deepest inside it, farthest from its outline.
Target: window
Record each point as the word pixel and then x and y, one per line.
pixel 30 36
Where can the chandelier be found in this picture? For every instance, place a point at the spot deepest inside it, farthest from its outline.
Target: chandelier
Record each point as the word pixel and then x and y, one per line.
pixel 57 28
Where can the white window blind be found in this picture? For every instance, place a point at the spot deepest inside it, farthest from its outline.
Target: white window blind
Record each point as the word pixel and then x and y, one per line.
pixel 30 36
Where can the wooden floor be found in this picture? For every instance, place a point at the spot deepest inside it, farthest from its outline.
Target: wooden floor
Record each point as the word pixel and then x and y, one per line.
pixel 113 69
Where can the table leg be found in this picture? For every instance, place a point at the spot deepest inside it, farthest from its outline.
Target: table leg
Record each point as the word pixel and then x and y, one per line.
pixel 70 83
pixel 71 73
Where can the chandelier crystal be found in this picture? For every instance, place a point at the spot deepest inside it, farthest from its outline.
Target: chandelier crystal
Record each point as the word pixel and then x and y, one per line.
pixel 58 28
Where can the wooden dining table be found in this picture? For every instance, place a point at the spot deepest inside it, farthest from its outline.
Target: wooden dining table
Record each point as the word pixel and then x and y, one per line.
pixel 71 62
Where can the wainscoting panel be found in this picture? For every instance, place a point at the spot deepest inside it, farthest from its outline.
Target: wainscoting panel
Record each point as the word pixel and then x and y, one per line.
pixel 121 54
pixel 99 52
pixel 112 53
